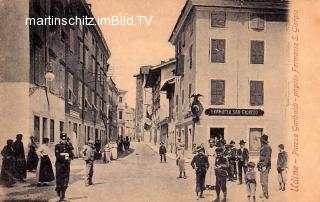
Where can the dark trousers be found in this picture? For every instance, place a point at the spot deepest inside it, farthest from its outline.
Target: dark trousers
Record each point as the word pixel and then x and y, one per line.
pixel 241 167
pixel 232 170
pixel 89 172
pixel 221 184
pixel 62 176
pixel 163 156
pixel 200 181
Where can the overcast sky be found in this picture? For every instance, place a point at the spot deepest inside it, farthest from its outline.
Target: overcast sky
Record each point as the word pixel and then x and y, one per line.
pixel 134 46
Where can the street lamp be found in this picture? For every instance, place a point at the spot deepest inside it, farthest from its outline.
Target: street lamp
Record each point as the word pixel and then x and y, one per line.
pixel 49 76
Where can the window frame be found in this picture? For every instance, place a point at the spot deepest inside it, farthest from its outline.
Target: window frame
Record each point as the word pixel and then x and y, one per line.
pixel 255 101
pixel 212 40
pixel 217 13
pixel 256 61
pixel 223 94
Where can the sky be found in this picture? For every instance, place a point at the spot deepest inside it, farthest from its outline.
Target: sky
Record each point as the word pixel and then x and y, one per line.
pixel 135 46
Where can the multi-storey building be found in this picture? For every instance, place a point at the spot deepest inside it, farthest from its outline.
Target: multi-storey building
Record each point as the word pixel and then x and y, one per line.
pixel 234 54
pixel 122 112
pixel 112 108
pixel 130 123
pixel 161 111
pixel 54 76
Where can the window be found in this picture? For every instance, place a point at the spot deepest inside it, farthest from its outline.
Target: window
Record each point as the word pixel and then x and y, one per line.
pixel 257 52
pixel 51 131
pixel 254 139
pixel 80 94
pixel 44 128
pixel 63 36
pixel 182 97
pixel 61 127
pixel 120 114
pixel 120 99
pixel 218 50
pixel 80 51
pixel 177 103
pixel 218 19
pixel 190 57
pixel 257 22
pixel 37 72
pixel 61 79
pixel 217 92
pixel 70 88
pixel 71 35
pixel 256 93
pixel 93 66
pixel 93 96
pixel 36 128
pixel 189 94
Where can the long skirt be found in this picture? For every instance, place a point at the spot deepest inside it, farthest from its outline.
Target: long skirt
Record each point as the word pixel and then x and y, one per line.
pixel 45 170
pixel 32 160
pixel 20 168
pixel 6 171
pixel 210 176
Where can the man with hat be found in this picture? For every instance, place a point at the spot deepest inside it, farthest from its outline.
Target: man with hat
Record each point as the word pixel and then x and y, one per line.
pixel 162 152
pixel 201 164
pixel 243 159
pixel 89 152
pixel 264 164
pixel 232 156
pixel 63 153
pixel 221 171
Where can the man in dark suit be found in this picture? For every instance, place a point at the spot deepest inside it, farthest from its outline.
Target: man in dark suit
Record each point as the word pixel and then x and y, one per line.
pixel 243 159
pixel 264 164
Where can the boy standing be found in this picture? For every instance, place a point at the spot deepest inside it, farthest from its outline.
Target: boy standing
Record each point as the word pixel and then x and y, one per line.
pixel 282 167
pixel 250 178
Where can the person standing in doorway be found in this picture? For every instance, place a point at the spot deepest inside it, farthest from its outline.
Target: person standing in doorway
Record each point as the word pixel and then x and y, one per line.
pixel 264 165
pixel 89 152
pixel 8 162
pixel 44 172
pixel 243 159
pixel 20 164
pixel 201 164
pixel 63 152
pixel 162 152
pixel 32 159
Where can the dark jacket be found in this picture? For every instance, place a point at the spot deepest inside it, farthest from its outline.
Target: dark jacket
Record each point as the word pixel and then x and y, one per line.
pixel 282 160
pixel 265 156
pixel 200 163
pixel 243 155
pixel 162 149
pixel 63 153
pixel 222 166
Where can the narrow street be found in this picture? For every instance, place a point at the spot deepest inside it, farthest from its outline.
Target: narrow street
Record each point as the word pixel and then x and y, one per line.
pixel 137 176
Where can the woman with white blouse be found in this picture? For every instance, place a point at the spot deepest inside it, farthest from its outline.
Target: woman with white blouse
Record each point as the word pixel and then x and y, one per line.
pixel 44 169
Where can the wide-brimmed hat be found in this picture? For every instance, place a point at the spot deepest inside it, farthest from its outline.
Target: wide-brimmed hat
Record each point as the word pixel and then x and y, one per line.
pixel 242 142
pixel 281 146
pixel 264 138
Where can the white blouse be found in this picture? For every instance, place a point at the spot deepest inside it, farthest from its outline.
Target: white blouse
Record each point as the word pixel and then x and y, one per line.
pixel 43 150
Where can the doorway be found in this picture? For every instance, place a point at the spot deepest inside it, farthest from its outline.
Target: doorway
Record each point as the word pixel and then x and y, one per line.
pixel 216 133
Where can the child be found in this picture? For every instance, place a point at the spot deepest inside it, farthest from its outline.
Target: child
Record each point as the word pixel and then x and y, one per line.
pixel 250 178
pixel 282 167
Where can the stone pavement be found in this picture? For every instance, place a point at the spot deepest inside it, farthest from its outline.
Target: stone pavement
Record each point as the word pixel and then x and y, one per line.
pixel 136 176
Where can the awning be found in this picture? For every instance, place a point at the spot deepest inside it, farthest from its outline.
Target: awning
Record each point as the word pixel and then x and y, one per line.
pixel 169 83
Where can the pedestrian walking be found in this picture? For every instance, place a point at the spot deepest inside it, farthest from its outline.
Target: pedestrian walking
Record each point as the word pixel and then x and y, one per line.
pixel 232 156
pixel 264 165
pixel 250 179
pixel 32 159
pixel 201 164
pixel 221 172
pixel 282 165
pixel 8 164
pixel 20 163
pixel 243 159
pixel 107 153
pixel 162 152
pixel 63 153
pixel 180 161
pixel 44 171
pixel 89 153
pixel 211 152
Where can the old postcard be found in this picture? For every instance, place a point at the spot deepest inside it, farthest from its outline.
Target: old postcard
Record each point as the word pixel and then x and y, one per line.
pixel 159 100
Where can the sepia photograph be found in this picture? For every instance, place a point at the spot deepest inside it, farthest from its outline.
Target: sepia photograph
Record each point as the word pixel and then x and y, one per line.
pixel 153 100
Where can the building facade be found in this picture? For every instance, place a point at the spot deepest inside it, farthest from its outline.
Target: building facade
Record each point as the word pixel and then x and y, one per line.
pixel 231 53
pixel 54 78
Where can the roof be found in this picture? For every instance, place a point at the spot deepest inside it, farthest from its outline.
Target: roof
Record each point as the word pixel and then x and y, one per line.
pixel 190 4
pixel 155 72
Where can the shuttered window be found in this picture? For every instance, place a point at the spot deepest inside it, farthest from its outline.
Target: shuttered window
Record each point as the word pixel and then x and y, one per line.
pixel 217 92
pixel 190 56
pixel 256 93
pixel 218 50
pixel 218 19
pixel 257 52
pixel 257 22
pixel 81 51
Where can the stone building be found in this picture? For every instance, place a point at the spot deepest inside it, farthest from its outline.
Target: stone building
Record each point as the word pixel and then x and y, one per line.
pixel 233 54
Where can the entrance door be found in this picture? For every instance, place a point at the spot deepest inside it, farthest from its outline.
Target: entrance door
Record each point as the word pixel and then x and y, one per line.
pixel 217 132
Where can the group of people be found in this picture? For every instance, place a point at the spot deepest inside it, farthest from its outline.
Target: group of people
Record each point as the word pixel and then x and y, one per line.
pixel 227 163
pixel 123 144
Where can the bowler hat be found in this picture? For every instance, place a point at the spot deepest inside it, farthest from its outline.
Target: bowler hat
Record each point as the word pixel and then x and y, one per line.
pixel 251 164
pixel 63 136
pixel 219 149
pixel 242 142
pixel 281 146
pixel 232 142
pixel 264 138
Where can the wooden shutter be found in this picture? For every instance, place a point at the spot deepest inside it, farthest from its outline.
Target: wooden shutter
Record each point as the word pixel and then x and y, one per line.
pixel 257 52
pixel 217 92
pixel 257 22
pixel 256 93
pixel 218 19
pixel 218 50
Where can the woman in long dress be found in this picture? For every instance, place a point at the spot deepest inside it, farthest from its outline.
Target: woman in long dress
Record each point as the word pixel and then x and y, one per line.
pixel 32 160
pixel 210 177
pixel 44 169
